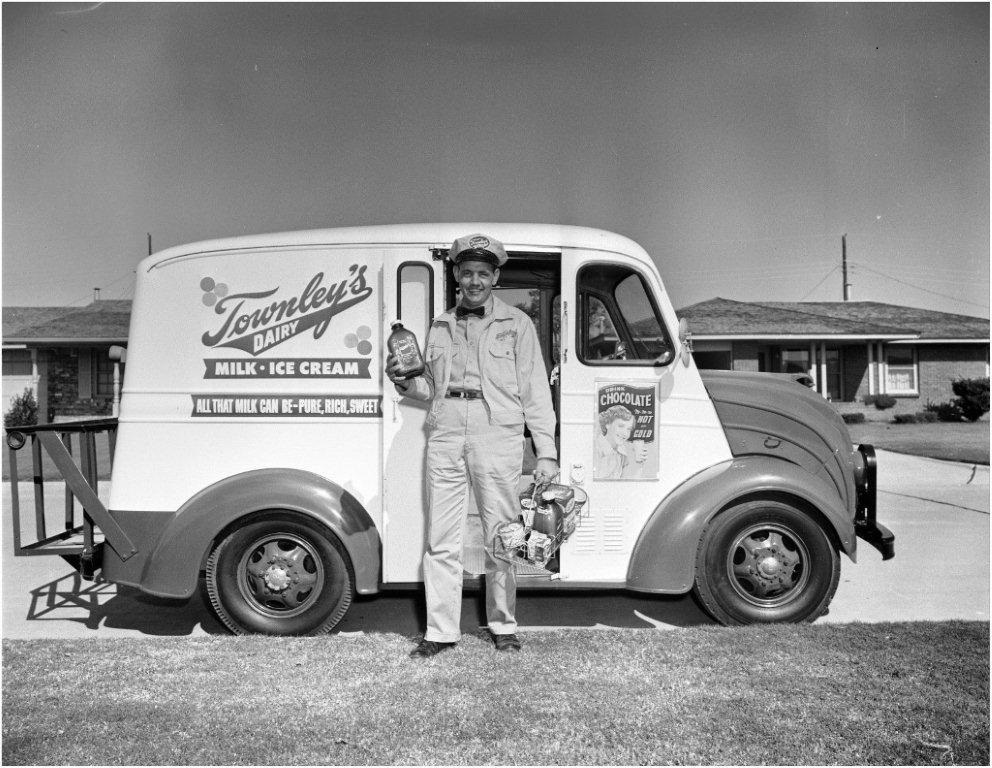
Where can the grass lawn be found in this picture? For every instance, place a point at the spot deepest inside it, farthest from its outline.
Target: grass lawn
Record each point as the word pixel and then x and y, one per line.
pixel 913 693
pixel 966 441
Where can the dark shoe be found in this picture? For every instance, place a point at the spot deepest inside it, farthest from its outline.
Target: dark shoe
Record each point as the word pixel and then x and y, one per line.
pixel 507 642
pixel 428 648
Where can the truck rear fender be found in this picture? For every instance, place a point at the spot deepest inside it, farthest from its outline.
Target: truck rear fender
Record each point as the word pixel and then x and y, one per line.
pixel 173 568
pixel 664 556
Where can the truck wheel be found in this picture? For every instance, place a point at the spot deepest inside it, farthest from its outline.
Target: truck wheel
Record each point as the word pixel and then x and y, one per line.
pixel 282 574
pixel 765 561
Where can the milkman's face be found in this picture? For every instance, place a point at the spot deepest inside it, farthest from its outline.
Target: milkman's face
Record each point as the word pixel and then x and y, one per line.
pixel 476 280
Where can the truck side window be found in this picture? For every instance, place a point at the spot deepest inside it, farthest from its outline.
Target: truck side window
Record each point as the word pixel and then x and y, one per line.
pixel 620 323
pixel 415 297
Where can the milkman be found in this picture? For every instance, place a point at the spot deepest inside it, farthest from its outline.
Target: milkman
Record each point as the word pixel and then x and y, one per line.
pixel 485 378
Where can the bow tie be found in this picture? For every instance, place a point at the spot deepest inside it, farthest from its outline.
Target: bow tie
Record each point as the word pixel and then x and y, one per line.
pixel 461 311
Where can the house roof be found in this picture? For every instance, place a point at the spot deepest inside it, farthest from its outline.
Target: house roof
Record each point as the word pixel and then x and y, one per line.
pixel 931 324
pixel 15 319
pixel 109 320
pixel 726 317
pixel 100 321
pixel 719 317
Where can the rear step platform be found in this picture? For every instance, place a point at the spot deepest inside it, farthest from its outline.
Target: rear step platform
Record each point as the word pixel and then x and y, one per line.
pixel 78 542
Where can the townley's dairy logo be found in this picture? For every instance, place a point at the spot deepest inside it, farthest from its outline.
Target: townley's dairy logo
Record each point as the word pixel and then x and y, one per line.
pixel 252 324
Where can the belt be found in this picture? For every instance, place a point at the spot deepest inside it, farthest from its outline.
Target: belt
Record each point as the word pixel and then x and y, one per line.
pixel 467 394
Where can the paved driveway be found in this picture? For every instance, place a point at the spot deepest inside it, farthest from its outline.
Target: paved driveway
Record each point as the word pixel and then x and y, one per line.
pixel 939 512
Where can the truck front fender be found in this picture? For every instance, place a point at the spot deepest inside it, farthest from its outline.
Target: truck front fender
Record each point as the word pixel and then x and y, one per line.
pixel 173 567
pixel 664 557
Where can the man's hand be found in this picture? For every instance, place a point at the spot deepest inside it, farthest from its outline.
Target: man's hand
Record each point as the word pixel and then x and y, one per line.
pixel 392 370
pixel 545 471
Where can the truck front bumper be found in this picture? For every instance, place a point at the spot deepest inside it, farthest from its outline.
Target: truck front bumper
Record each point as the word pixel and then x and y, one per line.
pixel 865 525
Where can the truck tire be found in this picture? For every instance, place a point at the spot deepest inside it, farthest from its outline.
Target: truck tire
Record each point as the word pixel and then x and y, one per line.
pixel 281 574
pixel 764 562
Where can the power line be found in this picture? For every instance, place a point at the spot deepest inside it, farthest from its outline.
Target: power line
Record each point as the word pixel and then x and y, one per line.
pixel 118 280
pixel 920 288
pixel 928 276
pixel 820 283
pixel 736 240
pixel 799 267
pixel 88 296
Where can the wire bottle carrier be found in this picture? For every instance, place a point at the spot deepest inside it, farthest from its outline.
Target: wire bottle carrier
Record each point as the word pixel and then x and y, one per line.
pixel 549 514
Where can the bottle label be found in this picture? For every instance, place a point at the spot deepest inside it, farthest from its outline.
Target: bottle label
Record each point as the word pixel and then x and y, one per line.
pixel 407 352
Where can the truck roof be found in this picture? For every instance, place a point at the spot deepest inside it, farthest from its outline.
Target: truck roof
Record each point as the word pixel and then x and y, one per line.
pixel 515 237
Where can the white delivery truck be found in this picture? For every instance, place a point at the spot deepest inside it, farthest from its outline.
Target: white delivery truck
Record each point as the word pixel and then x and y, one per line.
pixel 259 442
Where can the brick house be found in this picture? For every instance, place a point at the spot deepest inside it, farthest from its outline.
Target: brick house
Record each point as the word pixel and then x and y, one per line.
pixel 852 350
pixel 62 353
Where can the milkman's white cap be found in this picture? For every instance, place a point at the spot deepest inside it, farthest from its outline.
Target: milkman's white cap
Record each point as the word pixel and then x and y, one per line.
pixel 478 247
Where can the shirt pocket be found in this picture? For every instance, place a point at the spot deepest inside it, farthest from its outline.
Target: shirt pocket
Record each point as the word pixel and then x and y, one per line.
pixel 503 360
pixel 435 352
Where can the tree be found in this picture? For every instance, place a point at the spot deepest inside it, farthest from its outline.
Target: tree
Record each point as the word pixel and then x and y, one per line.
pixel 23 410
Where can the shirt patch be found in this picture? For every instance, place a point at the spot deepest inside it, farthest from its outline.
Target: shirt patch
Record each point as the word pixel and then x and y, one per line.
pixel 509 334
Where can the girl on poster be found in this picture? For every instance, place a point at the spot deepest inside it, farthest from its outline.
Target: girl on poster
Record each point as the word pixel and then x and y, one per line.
pixel 617 457
pixel 624 432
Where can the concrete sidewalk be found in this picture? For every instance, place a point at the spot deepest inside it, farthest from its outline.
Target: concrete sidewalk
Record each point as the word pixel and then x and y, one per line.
pixel 939 512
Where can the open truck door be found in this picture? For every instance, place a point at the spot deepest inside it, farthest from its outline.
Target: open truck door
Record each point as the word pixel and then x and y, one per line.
pixel 635 421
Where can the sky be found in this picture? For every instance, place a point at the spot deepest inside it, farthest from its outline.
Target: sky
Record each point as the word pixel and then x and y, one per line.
pixel 736 143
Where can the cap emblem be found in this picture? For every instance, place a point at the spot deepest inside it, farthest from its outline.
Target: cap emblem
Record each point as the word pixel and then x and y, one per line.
pixel 478 242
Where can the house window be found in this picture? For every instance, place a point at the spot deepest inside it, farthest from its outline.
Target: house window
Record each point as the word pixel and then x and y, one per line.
pixel 719 360
pixel 17 362
pixel 103 374
pixel 900 371
pixel 794 361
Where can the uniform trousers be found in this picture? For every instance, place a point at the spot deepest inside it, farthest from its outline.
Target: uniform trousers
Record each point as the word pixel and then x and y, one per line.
pixel 464 449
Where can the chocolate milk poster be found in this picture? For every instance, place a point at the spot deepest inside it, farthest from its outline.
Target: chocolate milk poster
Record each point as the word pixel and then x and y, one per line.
pixel 625 427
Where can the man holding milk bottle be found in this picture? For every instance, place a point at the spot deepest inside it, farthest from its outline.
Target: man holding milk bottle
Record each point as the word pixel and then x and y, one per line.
pixel 485 378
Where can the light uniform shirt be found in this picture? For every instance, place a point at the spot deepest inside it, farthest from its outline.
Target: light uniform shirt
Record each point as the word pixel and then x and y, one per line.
pixel 515 394
pixel 465 373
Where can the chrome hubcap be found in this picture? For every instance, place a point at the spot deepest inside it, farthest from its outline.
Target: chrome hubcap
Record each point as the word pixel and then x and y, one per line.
pixel 768 565
pixel 280 575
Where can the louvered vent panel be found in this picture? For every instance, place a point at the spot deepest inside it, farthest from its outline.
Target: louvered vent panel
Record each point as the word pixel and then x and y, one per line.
pixel 586 536
pixel 614 535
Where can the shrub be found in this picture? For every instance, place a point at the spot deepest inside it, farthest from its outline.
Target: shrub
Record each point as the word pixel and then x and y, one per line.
pixel 869 399
pixel 905 418
pixel 972 397
pixel 853 418
pixel 945 411
pixel 23 410
pixel 925 417
pixel 884 401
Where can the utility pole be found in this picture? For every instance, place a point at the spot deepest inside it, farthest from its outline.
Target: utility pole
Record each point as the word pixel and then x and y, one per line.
pixel 843 263
pixel 149 243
